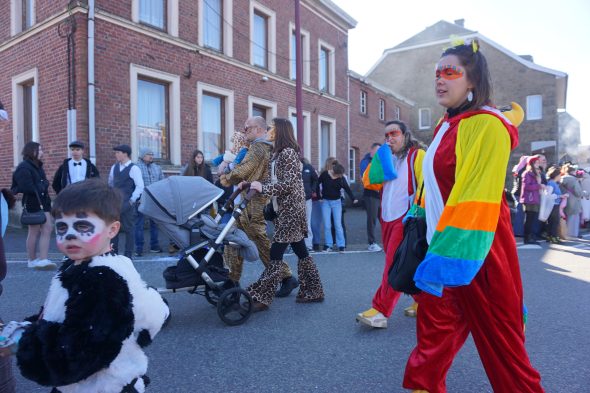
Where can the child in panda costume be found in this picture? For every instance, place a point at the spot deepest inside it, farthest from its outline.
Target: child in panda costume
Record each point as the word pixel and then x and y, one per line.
pixel 99 313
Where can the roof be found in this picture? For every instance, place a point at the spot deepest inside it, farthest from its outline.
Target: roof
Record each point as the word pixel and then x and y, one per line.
pixel 439 34
pixel 380 88
pixel 438 31
pixel 338 14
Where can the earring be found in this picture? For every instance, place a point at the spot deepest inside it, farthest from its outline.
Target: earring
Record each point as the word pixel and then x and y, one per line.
pixel 470 96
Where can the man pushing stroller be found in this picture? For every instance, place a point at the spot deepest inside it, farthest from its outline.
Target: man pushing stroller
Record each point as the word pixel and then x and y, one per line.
pixel 254 167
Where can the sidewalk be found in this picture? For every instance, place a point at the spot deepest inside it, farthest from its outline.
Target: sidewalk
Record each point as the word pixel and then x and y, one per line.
pixel 354 219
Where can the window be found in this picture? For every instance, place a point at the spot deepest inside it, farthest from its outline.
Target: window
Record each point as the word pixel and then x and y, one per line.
pixel 534 107
pixel 25 108
pixel 155 113
pixel 304 55
pixel 22 15
pixel 215 119
pixel 263 108
pixel 262 36
pixel 28 14
pixel 381 109
pixel 326 68
pixel 213 24
pixel 306 130
pixel 352 165
pixel 424 118
pixel 153 125
pixel 212 118
pixel 260 40
pixel 397 113
pixel 363 102
pixel 153 13
pixel 326 139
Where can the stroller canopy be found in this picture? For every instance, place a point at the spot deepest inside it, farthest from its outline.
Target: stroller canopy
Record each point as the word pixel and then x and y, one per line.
pixel 174 199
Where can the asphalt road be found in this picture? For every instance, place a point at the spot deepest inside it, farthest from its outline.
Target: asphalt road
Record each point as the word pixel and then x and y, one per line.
pixel 320 348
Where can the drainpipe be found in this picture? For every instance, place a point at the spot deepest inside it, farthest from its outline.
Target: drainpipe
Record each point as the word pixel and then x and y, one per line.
pixel 348 120
pixel 91 103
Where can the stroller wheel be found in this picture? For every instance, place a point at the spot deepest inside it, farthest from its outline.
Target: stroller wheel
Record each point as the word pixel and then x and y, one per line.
pixel 234 306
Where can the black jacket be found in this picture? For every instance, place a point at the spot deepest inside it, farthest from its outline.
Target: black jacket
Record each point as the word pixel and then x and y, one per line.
pixel 62 176
pixel 30 180
pixel 310 180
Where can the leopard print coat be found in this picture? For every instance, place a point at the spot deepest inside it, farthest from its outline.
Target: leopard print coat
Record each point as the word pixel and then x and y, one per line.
pixel 290 224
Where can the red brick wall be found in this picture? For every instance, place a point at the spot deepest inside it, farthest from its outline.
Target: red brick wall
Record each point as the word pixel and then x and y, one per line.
pixel 117 47
pixel 366 129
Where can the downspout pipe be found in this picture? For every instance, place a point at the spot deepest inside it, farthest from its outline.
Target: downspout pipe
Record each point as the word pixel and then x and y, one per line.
pixel 91 102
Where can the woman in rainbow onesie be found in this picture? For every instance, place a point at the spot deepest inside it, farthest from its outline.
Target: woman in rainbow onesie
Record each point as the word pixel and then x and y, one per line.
pixel 470 277
pixel 397 168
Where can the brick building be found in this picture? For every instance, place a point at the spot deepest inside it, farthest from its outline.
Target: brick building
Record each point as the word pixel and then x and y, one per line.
pixel 409 69
pixel 371 106
pixel 173 75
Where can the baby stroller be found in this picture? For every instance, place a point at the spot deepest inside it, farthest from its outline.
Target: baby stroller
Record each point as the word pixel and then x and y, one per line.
pixel 180 206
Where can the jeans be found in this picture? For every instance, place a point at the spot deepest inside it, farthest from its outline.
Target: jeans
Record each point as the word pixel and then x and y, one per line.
pixel 372 205
pixel 316 222
pixel 333 208
pixel 139 221
pixel 308 210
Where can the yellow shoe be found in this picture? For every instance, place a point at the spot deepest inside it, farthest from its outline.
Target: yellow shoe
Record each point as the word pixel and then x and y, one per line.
pixel 419 391
pixel 372 318
pixel 412 310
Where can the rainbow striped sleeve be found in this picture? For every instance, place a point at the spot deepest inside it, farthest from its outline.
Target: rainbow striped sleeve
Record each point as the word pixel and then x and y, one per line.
pixel 465 230
pixel 382 167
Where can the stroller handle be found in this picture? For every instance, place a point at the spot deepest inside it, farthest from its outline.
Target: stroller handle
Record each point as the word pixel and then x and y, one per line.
pixel 233 196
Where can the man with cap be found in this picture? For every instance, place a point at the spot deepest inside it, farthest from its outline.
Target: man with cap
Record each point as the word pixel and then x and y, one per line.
pixel 151 173
pixel 74 169
pixel 126 177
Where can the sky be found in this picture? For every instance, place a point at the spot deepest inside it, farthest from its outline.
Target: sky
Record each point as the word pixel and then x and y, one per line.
pixel 556 34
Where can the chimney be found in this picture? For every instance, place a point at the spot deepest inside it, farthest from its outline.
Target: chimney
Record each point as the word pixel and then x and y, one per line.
pixel 528 58
pixel 460 22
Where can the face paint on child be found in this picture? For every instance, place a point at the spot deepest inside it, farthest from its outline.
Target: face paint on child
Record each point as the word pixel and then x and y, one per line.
pixel 81 235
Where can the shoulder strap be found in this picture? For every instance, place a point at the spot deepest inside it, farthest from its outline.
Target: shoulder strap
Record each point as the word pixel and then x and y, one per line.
pixel 412 174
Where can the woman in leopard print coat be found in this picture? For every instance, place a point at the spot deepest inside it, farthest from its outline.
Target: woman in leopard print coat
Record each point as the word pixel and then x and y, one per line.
pixel 290 224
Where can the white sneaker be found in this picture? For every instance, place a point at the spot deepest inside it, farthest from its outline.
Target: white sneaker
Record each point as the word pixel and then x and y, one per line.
pixel 42 264
pixel 374 247
pixel 372 318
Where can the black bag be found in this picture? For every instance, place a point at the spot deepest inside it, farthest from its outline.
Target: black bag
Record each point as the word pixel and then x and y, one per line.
pixel 269 212
pixel 409 254
pixel 33 218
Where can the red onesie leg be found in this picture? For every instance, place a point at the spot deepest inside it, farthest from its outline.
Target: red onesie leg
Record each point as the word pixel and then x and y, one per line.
pixel 386 298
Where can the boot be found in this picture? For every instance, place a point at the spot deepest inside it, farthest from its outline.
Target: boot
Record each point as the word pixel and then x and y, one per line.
pixel 310 285
pixel 263 290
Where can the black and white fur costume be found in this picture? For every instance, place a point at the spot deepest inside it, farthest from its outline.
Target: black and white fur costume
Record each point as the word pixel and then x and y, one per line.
pixel 96 319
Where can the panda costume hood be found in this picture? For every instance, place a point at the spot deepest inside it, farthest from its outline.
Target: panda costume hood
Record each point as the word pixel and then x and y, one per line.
pixel 96 319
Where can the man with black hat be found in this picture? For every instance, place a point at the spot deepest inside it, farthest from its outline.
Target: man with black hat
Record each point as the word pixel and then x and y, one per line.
pixel 126 177
pixel 74 169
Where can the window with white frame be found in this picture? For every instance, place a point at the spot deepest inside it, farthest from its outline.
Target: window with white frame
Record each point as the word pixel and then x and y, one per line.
pixel 363 102
pixel 213 125
pixel 534 107
pixel 215 119
pixel 352 164
pixel 262 36
pixel 326 68
pixel 326 139
pixel 261 107
pixel 159 14
pixel 213 24
pixel 397 113
pixel 304 54
pixel 155 113
pixel 381 109
pixel 153 123
pixel 22 15
pixel 424 118
pixel 306 130
pixel 25 111
pixel 153 13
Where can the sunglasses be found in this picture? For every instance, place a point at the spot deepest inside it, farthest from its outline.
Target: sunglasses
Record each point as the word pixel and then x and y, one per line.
pixel 448 72
pixel 393 134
